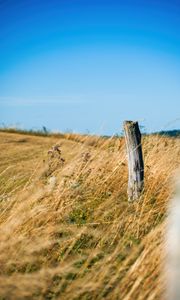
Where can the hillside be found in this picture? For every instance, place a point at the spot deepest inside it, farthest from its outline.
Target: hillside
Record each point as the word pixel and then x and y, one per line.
pixel 67 230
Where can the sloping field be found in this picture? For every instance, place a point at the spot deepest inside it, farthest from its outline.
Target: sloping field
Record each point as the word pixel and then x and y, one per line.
pixel 66 228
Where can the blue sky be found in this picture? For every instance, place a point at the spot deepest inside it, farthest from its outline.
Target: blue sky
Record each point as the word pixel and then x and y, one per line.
pixel 88 65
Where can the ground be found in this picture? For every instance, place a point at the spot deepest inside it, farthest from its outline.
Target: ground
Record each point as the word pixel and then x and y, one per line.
pixel 67 230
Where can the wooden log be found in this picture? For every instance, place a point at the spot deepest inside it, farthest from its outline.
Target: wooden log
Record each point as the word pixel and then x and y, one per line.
pixel 135 160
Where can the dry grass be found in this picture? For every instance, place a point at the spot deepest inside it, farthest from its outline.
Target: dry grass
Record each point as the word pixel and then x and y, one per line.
pixel 67 230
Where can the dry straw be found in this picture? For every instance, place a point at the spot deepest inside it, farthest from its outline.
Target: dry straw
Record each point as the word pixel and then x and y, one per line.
pixel 67 230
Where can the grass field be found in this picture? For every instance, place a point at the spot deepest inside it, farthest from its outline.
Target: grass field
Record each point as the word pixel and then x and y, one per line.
pixel 67 230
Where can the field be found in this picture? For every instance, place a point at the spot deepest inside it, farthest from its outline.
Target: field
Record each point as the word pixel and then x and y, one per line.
pixel 67 230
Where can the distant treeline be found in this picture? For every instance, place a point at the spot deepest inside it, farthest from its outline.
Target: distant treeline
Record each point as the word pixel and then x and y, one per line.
pixel 172 133
pixel 45 132
pixel 39 132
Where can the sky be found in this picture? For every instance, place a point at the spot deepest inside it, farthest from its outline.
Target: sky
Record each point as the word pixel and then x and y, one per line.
pixel 88 65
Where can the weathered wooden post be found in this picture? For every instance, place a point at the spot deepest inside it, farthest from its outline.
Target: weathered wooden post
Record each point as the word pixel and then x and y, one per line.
pixel 135 160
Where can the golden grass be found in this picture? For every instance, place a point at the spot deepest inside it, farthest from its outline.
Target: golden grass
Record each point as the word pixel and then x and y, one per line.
pixel 67 230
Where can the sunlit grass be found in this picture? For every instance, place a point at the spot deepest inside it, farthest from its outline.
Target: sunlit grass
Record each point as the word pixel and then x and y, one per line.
pixel 67 229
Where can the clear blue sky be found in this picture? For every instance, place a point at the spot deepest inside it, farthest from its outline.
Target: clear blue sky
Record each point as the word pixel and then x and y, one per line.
pixel 90 64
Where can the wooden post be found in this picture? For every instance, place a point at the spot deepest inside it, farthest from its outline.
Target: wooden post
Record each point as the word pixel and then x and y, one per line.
pixel 135 160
